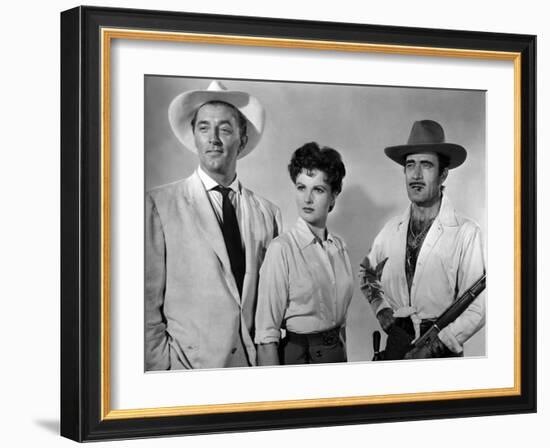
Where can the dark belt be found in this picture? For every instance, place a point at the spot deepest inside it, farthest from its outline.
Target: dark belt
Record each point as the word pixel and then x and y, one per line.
pixel 328 337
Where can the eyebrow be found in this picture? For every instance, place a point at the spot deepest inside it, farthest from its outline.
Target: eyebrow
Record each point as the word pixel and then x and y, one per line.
pixel 419 161
pixel 221 123
pixel 324 186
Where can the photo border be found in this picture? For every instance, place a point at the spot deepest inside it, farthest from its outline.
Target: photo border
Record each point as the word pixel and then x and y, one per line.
pixel 86 37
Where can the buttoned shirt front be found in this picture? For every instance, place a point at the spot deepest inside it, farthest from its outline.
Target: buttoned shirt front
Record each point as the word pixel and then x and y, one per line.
pixel 450 261
pixel 306 285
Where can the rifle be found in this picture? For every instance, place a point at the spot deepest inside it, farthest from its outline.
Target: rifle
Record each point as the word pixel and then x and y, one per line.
pixel 451 313
pixel 400 348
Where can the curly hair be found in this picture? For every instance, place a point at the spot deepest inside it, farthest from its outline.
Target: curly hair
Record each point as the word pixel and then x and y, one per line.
pixel 312 157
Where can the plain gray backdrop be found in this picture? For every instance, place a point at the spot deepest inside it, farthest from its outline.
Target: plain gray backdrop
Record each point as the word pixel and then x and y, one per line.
pixel 358 121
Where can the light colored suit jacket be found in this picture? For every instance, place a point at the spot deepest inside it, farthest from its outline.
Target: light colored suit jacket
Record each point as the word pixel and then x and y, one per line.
pixel 194 317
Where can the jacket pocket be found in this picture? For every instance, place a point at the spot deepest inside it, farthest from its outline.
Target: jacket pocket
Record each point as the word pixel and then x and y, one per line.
pixel 183 358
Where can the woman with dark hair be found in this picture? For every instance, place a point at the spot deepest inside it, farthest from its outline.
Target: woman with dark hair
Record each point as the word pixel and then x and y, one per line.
pixel 306 281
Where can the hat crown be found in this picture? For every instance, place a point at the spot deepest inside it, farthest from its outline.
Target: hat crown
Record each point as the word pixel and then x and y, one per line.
pixel 216 86
pixel 426 132
pixel 427 136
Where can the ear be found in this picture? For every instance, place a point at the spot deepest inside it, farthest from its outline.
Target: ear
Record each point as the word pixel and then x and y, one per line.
pixel 333 201
pixel 244 141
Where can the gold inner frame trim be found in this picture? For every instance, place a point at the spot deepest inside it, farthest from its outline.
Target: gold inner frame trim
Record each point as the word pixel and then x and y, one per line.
pixel 107 35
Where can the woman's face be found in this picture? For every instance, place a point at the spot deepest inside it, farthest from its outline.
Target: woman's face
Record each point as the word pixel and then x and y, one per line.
pixel 314 197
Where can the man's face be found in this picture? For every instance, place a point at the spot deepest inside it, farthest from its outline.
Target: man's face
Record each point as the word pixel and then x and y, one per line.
pixel 218 139
pixel 423 179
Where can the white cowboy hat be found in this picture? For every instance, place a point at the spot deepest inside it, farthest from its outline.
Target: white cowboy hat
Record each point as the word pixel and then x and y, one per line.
pixel 183 107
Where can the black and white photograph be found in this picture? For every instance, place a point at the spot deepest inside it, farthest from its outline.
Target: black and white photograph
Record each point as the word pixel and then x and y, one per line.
pixel 274 223
pixel 293 223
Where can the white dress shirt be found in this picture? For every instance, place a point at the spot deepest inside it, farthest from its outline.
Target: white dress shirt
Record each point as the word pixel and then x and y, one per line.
pixel 305 285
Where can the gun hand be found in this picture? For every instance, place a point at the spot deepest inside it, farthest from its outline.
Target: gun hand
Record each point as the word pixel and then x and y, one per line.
pixel 417 353
pixel 433 349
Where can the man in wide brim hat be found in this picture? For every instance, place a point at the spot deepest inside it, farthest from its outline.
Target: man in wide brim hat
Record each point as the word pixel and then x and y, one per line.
pixel 183 108
pixel 205 238
pixel 424 259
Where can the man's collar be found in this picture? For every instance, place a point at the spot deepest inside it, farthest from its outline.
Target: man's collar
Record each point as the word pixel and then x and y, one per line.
pixel 306 237
pixel 446 215
pixel 210 183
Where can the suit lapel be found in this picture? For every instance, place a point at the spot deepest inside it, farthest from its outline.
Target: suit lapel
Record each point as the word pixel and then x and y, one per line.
pixel 210 228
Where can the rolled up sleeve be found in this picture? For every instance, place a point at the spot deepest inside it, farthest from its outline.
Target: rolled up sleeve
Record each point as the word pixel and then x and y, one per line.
pixel 272 295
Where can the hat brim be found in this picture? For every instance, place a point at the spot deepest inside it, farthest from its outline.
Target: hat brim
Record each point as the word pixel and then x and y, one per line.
pixel 456 154
pixel 183 107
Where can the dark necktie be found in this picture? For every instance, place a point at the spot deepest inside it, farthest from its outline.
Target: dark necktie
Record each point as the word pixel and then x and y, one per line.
pixel 232 238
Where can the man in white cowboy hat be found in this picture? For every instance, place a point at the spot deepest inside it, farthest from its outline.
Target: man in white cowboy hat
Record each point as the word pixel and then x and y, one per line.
pixel 205 239
pixel 425 259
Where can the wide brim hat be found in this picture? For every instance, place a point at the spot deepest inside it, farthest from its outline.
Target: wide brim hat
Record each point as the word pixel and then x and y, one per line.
pixel 427 136
pixel 183 107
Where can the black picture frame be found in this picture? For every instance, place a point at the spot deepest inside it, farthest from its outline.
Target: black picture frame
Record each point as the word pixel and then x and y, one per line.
pixel 83 407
